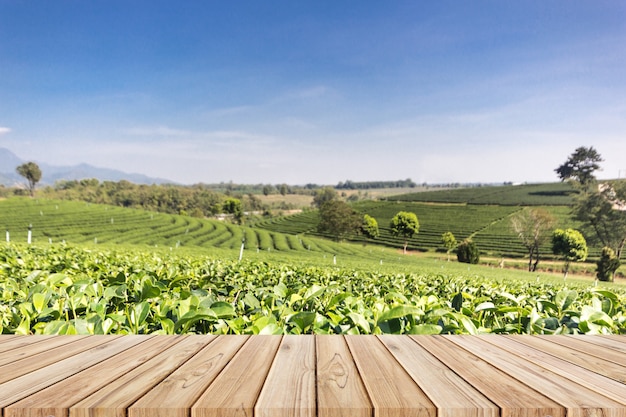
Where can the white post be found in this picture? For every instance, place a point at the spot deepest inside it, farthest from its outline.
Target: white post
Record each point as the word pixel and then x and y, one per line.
pixel 243 243
pixel 8 237
pixel 334 259
pixel 30 234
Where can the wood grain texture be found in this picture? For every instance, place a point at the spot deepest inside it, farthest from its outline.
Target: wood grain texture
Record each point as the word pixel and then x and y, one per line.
pixel 116 397
pixel 289 389
pixel 8 343
pixel 578 400
pixel 340 390
pixel 19 349
pixel 452 396
pixel 176 394
pixel 392 391
pixel 613 350
pixel 205 375
pixel 58 398
pixel 50 356
pixel 592 363
pixel 95 349
pixel 514 398
pixel 235 391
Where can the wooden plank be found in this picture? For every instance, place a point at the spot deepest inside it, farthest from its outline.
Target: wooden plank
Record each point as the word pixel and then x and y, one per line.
pixel 10 342
pixel 577 399
pixel 6 337
pixel 42 359
pixel 29 351
pixel 392 391
pixel 289 388
pixel 514 398
pixel 114 398
pixel 27 384
pixel 591 346
pixel 452 396
pixel 58 398
pixel 577 374
pixel 593 363
pixel 340 390
pixel 235 390
pixel 178 392
pixel 611 342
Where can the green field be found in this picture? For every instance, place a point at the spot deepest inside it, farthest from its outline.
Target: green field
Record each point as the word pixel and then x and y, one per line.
pixel 488 225
pixel 545 194
pixel 56 221
pixel 94 269
pixel 64 289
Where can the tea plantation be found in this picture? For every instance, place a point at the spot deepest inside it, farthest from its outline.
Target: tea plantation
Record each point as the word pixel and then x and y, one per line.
pixel 95 269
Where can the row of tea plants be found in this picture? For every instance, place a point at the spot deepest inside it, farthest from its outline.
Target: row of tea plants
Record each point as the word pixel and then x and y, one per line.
pixel 62 289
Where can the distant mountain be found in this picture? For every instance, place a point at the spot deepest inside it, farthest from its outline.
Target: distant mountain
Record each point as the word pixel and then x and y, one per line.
pixel 51 173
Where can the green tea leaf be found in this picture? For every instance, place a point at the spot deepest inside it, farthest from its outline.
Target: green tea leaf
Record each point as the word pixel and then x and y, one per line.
pixel 360 321
pixel 426 329
pixel 39 302
pixel 223 310
pixel 302 319
pixel 398 312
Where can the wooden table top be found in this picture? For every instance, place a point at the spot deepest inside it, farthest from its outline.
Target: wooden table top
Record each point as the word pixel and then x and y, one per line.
pixel 205 375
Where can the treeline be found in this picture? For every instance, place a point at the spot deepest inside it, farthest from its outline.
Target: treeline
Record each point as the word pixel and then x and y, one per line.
pixel 367 185
pixel 196 200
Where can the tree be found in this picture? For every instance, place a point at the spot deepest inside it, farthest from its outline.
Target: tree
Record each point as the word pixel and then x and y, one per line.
pixel 370 227
pixel 570 245
pixel 603 215
pixel 233 206
pixel 267 190
pixel 601 209
pixel 323 195
pixel 449 242
pixel 404 224
pixel 607 265
pixel 533 227
pixel 338 219
pixel 468 252
pixel 32 173
pixel 580 166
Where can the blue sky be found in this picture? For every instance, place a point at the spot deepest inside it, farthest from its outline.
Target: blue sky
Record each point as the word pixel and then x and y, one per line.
pixel 315 91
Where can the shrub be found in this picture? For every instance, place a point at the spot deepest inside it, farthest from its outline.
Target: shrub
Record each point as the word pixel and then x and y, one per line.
pixel 468 252
pixel 607 265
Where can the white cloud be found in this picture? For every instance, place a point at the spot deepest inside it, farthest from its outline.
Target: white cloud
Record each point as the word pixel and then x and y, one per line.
pixel 4 130
pixel 313 92
pixel 229 111
pixel 156 131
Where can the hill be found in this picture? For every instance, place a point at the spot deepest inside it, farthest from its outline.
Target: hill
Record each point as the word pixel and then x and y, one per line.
pixel 543 194
pixel 482 214
pixel 73 222
pixel 52 173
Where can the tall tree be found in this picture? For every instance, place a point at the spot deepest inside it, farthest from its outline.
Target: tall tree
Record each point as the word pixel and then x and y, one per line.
pixel 532 226
pixel 570 245
pixel 337 218
pixel 404 224
pixel 603 215
pixel 581 166
pixel 32 173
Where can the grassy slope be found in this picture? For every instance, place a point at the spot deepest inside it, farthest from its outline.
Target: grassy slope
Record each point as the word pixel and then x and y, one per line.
pixel 113 227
